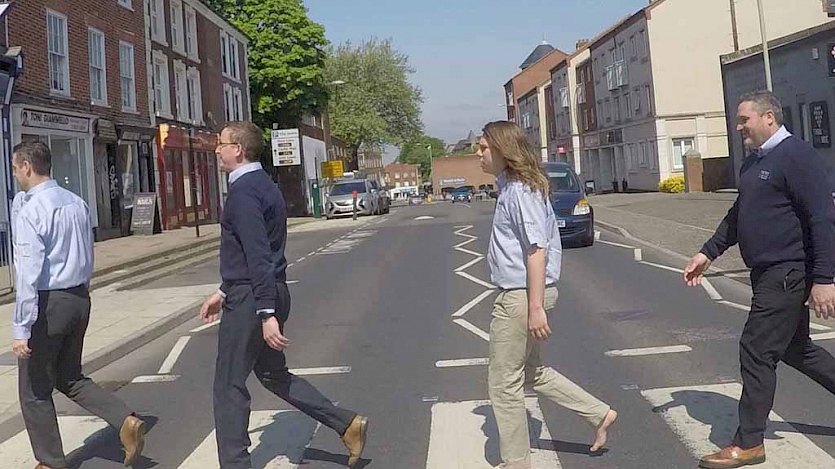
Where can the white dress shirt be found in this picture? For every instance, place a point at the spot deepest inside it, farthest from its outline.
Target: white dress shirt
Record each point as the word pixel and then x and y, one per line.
pixel 53 248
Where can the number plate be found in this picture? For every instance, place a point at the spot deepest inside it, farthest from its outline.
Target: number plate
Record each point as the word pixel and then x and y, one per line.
pixel 560 223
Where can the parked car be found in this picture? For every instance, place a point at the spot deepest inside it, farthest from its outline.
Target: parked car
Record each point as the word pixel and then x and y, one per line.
pixel 340 199
pixel 415 199
pixel 462 195
pixel 575 216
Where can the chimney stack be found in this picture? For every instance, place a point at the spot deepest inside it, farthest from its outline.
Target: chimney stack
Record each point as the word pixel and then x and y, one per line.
pixel 581 43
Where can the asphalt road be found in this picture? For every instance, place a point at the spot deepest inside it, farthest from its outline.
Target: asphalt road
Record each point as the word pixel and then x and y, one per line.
pixel 372 317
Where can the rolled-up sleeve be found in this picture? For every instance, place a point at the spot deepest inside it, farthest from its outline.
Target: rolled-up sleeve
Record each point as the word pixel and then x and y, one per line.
pixel 527 211
pixel 29 254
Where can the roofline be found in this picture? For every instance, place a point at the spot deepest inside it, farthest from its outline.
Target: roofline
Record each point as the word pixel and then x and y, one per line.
pixel 777 43
pixel 534 64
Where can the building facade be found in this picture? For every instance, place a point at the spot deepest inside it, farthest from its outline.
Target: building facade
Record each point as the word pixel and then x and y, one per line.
pixel 197 64
pixel 401 179
pixel 449 173
pixel 567 97
pixel 645 123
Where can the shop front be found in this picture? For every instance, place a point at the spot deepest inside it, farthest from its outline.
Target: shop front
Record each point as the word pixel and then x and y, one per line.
pixel 121 159
pixel 188 177
pixel 69 135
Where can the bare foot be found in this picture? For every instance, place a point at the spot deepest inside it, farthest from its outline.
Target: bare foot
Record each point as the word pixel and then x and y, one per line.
pixel 600 439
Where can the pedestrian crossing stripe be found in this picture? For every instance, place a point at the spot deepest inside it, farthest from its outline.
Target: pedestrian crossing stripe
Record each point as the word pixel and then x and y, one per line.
pixel 706 417
pixel 279 440
pixel 75 433
pixel 464 436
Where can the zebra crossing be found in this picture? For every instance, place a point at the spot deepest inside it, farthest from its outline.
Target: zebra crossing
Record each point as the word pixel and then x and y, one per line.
pixel 463 434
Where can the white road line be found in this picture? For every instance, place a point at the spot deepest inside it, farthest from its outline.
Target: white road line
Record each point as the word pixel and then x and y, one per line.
pixel 466 251
pixel 472 328
pixel 702 415
pixel 639 255
pixel 818 327
pixel 461 245
pixel 336 252
pixel 711 290
pixel 460 432
pixel 461 362
pixel 76 431
pixel 278 438
pixel 463 227
pixel 172 357
pixel 824 336
pixel 597 236
pixel 155 379
pixel 472 304
pixel 291 264
pixel 301 259
pixel 476 280
pixel 637 352
pixel 470 264
pixel 332 370
pixel 617 245
pixel 292 282
pixel 735 305
pixel 311 253
pixel 204 327
pixel 663 267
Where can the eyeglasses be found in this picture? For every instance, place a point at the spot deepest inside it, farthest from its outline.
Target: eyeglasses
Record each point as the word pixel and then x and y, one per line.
pixel 223 144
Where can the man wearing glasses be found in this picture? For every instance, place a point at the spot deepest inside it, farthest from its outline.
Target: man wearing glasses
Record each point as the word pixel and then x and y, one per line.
pixel 256 304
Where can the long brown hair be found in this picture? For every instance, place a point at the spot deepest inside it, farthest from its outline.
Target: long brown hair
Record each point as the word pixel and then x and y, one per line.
pixel 507 141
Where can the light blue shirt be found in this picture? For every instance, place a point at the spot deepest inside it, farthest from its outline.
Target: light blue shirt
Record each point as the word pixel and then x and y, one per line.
pixel 772 142
pixel 523 220
pixel 245 169
pixel 53 248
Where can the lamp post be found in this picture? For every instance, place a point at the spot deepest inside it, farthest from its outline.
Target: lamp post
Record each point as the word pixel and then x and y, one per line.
pixel 766 55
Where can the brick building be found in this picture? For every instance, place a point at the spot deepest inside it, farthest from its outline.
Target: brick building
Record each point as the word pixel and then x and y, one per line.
pixel 82 93
pixel 401 178
pixel 199 82
pixel 452 172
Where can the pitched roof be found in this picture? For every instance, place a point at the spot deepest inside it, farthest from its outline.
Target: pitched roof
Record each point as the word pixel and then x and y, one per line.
pixel 541 51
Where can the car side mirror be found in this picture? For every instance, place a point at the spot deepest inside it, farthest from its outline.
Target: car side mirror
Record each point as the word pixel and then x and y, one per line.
pixel 588 190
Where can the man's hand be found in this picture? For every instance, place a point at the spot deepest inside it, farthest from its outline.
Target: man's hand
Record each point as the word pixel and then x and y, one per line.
pixel 538 323
pixel 695 270
pixel 211 308
pixel 273 336
pixel 822 300
pixel 21 348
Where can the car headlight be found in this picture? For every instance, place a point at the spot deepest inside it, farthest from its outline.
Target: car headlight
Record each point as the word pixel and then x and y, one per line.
pixel 582 208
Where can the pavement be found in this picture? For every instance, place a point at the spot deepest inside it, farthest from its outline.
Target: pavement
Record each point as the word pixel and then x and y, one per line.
pixel 390 319
pixel 677 223
pixel 123 320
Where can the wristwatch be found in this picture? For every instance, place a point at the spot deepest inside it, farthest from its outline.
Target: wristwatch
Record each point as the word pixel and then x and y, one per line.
pixel 266 314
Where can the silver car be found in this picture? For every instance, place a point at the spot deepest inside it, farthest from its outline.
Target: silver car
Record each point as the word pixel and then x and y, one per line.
pixel 340 199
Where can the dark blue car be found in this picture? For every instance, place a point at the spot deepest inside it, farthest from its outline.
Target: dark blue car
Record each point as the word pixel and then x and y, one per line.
pixel 574 214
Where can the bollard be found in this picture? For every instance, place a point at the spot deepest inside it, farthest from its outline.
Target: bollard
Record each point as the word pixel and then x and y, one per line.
pixel 355 204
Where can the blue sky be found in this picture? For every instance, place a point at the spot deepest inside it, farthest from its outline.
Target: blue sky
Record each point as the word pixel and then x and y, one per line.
pixel 464 51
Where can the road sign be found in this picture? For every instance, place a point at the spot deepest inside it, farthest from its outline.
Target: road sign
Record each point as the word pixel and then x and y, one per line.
pixel 332 169
pixel 286 147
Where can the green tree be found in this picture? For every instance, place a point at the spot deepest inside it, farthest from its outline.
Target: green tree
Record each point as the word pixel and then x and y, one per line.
pixel 375 104
pixel 417 151
pixel 286 58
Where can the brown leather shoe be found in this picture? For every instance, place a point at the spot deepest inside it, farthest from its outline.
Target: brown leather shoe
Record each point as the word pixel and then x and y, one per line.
pixel 734 456
pixel 354 439
pixel 42 466
pixel 132 435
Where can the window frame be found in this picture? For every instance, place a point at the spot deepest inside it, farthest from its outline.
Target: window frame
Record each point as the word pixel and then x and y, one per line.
pixel 102 68
pixel 126 46
pixel 65 66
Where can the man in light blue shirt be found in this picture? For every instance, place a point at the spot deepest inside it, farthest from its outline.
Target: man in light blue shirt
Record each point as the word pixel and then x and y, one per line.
pixel 53 254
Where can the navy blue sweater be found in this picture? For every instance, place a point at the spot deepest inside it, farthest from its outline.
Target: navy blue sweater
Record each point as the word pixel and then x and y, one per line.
pixel 784 212
pixel 253 238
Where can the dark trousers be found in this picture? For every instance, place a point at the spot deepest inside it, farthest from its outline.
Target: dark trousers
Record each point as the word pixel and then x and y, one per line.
pixel 241 349
pixel 57 342
pixel 777 329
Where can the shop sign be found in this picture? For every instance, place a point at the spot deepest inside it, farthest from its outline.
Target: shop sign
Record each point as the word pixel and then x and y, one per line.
pixel 53 121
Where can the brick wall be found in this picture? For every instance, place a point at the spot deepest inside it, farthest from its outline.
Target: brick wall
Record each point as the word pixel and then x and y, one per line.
pixel 27 27
pixel 465 166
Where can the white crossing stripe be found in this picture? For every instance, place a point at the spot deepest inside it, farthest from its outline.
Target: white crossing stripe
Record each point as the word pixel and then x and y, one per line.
pixel 462 362
pixel 470 264
pixel 460 432
pixel 476 280
pixel 639 255
pixel 823 336
pixel 467 251
pixel 664 267
pixel 735 305
pixel 617 245
pixel 472 304
pixel 472 328
pixel 155 379
pixel 711 290
pixel 172 357
pixel 637 352
pixel 818 327
pixel 204 327
pixel 279 439
pixel 464 243
pixel 75 432
pixel 705 417
pixel 331 370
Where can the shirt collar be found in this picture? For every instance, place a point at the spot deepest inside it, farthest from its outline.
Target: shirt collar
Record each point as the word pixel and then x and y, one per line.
pixel 40 188
pixel 772 142
pixel 245 169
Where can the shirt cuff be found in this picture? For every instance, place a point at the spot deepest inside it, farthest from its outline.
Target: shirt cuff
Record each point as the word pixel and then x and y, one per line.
pixel 265 311
pixel 220 292
pixel 22 332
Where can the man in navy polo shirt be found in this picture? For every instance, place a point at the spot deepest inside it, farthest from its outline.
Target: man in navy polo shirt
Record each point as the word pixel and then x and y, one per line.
pixel 784 222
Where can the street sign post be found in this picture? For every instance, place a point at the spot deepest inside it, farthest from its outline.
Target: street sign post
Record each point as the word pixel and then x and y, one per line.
pixel 286 146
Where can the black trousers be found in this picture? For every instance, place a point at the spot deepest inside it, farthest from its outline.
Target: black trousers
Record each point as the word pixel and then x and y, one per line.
pixel 777 329
pixel 241 349
pixel 57 342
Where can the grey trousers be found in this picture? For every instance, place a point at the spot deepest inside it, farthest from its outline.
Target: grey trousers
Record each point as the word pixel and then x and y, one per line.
pixel 240 350
pixel 57 342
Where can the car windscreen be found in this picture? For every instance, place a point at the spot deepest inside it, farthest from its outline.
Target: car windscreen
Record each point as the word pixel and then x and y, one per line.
pixel 348 188
pixel 562 181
